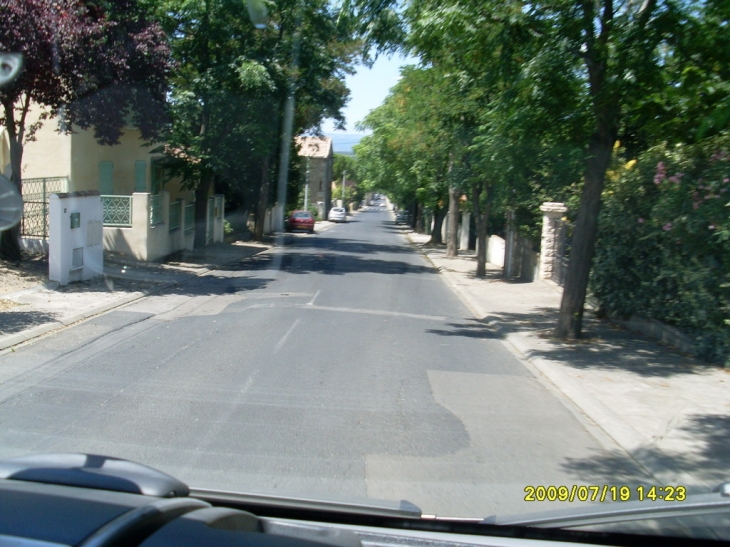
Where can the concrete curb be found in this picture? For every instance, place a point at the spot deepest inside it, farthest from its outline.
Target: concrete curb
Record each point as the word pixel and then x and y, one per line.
pixel 626 437
pixel 11 340
pixel 30 290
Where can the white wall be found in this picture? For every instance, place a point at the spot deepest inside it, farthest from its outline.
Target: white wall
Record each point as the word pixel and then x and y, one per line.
pixel 146 242
pixel 75 252
pixel 495 251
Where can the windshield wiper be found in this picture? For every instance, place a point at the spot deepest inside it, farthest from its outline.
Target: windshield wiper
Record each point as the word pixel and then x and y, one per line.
pixel 367 506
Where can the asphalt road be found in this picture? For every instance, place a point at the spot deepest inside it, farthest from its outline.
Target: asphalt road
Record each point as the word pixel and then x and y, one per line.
pixel 339 365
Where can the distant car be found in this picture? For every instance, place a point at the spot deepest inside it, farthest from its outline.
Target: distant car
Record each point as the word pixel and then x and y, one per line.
pixel 300 220
pixel 401 217
pixel 338 214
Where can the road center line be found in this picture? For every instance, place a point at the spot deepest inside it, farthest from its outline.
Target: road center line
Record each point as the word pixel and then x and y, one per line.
pixel 311 302
pixel 280 343
pixel 365 311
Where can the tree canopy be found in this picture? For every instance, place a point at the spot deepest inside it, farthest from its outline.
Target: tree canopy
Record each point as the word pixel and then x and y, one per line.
pixel 536 97
pixel 90 64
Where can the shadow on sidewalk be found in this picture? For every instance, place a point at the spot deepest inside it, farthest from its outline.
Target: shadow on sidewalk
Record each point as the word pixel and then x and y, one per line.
pixel 604 346
pixel 17 321
pixel 709 463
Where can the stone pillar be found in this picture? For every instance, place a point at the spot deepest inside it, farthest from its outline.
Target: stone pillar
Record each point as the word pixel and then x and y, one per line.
pixel 464 235
pixel 551 233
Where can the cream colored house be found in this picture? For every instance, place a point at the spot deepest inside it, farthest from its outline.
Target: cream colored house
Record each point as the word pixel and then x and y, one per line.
pixel 317 156
pixel 145 215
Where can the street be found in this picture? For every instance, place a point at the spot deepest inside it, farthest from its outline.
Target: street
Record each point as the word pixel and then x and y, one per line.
pixel 339 365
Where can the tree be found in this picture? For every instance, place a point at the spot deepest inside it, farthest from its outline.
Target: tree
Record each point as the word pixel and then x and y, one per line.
pixel 89 64
pixel 230 90
pixel 613 56
pixel 408 153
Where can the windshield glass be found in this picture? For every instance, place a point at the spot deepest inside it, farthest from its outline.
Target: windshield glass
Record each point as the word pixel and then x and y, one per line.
pixel 521 304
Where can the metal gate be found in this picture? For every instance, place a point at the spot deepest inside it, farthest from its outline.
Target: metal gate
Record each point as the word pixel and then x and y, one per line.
pixel 36 193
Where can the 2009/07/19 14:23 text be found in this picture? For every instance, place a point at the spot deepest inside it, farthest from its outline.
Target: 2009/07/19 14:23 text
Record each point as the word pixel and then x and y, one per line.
pixel 604 493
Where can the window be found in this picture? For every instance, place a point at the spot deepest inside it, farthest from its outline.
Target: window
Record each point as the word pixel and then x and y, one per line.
pixel 106 179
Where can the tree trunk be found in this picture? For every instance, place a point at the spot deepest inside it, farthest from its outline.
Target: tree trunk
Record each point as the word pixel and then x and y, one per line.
pixel 418 218
pixel 10 238
pixel 452 240
pixel 481 219
pixel 263 202
pixel 438 221
pixel 570 320
pixel 201 209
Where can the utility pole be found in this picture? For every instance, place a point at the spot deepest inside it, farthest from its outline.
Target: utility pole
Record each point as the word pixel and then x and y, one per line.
pixel 259 16
pixel 306 188
pixel 344 174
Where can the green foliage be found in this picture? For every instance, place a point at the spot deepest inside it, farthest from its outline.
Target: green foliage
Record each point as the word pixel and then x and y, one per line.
pixel 663 247
pixel 231 80
pixel 407 155
pixel 342 164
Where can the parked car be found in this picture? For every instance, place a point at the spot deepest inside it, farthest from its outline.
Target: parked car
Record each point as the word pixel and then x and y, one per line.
pixel 338 214
pixel 300 220
pixel 401 217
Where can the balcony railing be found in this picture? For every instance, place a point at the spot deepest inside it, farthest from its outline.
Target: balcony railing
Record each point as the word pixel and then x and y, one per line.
pixel 189 217
pixel 156 204
pixel 117 211
pixel 175 214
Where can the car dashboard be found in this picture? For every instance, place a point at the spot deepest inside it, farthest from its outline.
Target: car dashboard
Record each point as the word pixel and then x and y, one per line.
pixel 83 500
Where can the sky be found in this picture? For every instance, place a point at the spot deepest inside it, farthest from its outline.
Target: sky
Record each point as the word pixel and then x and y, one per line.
pixel 368 89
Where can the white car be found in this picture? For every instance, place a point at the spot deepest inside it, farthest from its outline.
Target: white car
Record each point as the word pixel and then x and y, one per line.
pixel 338 214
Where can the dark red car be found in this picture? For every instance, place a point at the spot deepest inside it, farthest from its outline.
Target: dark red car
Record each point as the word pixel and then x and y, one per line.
pixel 300 220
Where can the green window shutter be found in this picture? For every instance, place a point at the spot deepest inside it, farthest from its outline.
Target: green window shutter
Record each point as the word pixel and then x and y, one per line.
pixel 140 176
pixel 106 181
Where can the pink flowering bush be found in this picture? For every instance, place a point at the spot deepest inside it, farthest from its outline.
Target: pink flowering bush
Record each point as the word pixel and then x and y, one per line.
pixel 664 243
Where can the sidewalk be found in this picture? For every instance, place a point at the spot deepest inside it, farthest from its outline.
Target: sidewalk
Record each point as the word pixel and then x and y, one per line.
pixel 669 412
pixel 40 309
pixel 32 312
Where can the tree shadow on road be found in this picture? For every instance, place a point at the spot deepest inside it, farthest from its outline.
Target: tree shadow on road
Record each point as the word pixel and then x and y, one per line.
pixel 469 329
pixel 331 264
pixel 353 246
pixel 217 285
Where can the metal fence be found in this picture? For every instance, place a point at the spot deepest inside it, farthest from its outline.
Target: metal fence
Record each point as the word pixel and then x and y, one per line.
pixel 156 206
pixel 36 193
pixel 189 217
pixel 117 211
pixel 175 214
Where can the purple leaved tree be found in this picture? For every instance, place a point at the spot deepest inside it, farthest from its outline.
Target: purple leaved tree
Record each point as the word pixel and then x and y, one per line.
pixel 90 63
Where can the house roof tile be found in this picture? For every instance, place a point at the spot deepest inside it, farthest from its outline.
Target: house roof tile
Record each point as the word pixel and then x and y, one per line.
pixel 314 147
